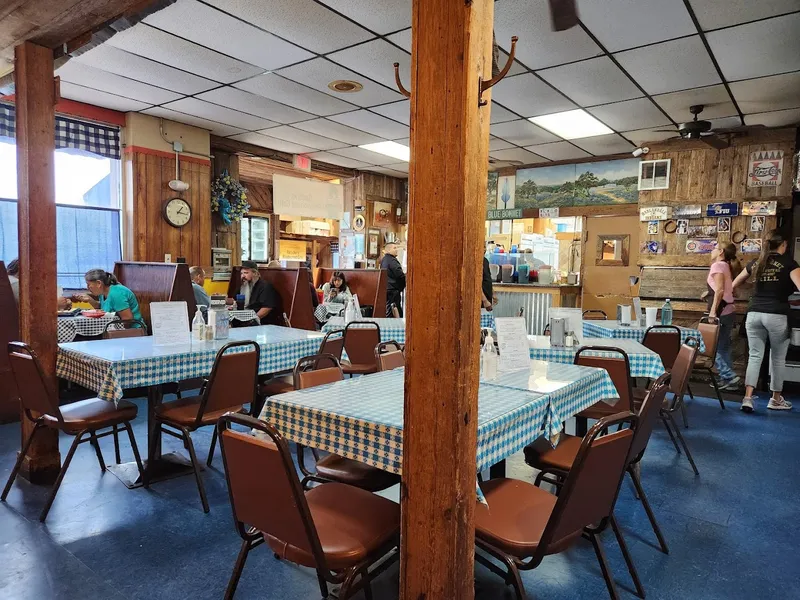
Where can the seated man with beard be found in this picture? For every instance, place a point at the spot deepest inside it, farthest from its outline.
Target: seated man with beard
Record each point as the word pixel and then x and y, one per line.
pixel 260 296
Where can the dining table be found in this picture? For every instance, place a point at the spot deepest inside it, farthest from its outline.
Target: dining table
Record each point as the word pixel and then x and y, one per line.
pixel 394 330
pixel 70 327
pixel 617 330
pixel 109 367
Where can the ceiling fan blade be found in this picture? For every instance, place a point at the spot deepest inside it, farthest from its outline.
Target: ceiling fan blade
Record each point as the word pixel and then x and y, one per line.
pixel 741 129
pixel 715 142
pixel 563 14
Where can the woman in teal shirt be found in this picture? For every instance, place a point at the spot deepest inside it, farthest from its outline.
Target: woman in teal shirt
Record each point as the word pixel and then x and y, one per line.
pixel 111 295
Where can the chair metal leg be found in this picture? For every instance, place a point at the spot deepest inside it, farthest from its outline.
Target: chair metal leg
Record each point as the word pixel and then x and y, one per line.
pixel 514 578
pixel 689 389
pixel 190 446
pixel 665 422
pixel 60 477
pixel 716 388
pixel 210 458
pixel 683 443
pixel 637 482
pixel 347 585
pixel 116 444
pixel 18 464
pixel 237 570
pixel 626 555
pixel 135 448
pixel 96 443
pixel 155 432
pixel 366 584
pixel 601 558
pixel 684 414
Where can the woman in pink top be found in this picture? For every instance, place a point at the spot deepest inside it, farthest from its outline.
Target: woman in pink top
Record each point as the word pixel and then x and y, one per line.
pixel 724 269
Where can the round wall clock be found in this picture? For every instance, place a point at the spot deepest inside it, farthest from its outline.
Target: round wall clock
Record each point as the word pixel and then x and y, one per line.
pixel 177 212
pixel 359 222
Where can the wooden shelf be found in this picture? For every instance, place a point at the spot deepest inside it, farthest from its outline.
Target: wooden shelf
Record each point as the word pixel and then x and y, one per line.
pixel 307 238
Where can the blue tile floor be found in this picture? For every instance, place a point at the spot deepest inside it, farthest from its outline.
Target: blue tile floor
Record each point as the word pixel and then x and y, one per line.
pixel 733 531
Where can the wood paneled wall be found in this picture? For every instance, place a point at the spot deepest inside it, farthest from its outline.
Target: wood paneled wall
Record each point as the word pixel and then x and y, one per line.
pixel 222 234
pixel 368 188
pixel 703 175
pixel 148 172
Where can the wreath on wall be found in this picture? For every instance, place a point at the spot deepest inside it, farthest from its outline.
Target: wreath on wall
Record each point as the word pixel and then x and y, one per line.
pixel 229 198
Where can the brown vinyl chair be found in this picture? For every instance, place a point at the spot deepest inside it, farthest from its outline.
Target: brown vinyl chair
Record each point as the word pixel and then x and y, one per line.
pixel 664 340
pixel 83 419
pixel 619 369
pixel 338 530
pixel 594 314
pixel 120 328
pixel 555 463
pixel 520 523
pixel 389 355
pixel 322 369
pixel 360 339
pixel 709 329
pixel 231 385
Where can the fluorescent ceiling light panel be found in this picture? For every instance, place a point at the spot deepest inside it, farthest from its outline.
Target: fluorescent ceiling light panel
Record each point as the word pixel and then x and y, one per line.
pixel 572 124
pixel 393 149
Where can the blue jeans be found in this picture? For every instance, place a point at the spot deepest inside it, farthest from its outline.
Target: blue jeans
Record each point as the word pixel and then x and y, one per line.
pixel 760 327
pixel 724 362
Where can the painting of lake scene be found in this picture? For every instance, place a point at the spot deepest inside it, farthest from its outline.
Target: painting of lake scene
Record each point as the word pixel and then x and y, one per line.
pixel 606 182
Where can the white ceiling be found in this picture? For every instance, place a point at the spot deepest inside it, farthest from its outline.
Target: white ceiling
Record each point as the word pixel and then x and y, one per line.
pixel 258 71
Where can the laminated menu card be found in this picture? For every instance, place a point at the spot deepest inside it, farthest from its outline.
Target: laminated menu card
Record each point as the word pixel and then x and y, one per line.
pixel 170 322
pixel 512 341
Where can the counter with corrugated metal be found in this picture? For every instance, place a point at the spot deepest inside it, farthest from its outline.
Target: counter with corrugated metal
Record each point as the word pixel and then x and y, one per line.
pixel 535 300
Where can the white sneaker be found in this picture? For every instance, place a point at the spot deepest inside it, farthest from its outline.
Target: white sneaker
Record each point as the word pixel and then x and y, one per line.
pixel 781 404
pixel 747 404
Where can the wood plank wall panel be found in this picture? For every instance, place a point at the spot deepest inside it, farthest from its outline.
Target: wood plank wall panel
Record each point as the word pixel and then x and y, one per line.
pixel 259 196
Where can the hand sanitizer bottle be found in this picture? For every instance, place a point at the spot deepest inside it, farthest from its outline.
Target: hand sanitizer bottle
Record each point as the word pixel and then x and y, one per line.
pixel 198 327
pixel 488 359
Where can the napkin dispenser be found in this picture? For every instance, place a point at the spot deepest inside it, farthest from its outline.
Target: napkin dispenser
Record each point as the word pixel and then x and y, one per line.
pixel 558 332
pixel 624 314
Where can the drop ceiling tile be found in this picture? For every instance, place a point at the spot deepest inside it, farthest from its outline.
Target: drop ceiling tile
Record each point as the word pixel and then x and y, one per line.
pixel 495 164
pixel 632 114
pixel 399 111
pixel 318 73
pixel 539 46
pixel 178 117
pixel 643 136
pixel 725 123
pixel 722 13
pixel 758 49
pixel 81 74
pixel 294 94
pixel 374 60
pixel 380 16
pixel 372 123
pixel 767 93
pixel 202 24
pixel 522 133
pixel 779 118
pixel 298 136
pixel 590 82
pixel 221 114
pixel 402 39
pixel 516 67
pixel 621 24
pixel 337 131
pixel 389 172
pixel 113 60
pixel 670 66
pixel 558 151
pixel 518 155
pixel 501 114
pixel 404 141
pixel 255 105
pixel 306 23
pixel 98 98
pixel 272 143
pixel 335 159
pixel 160 46
pixel 529 96
pixel 714 98
pixel 402 167
pixel 366 156
pixel 604 144
pixel 498 144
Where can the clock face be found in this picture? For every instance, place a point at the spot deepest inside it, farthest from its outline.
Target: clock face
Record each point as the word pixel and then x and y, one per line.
pixel 177 212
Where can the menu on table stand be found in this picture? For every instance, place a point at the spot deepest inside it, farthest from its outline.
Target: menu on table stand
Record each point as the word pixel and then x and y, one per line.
pixel 170 322
pixel 512 341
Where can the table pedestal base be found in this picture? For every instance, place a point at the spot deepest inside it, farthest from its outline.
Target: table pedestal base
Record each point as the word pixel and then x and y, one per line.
pixel 168 466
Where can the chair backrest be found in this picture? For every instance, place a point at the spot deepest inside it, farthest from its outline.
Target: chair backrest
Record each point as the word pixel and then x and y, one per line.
pixel 395 311
pixel 333 343
pixel 594 314
pixel 618 368
pixel 234 378
pixel 34 391
pixel 389 355
pixel 681 370
pixel 126 328
pixel 590 491
pixel 264 489
pixel 319 369
pixel 648 415
pixel 286 321
pixel 709 329
pixel 664 340
pixel 360 339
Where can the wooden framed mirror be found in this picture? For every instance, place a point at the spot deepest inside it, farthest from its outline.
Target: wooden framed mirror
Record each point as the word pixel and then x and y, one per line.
pixel 613 250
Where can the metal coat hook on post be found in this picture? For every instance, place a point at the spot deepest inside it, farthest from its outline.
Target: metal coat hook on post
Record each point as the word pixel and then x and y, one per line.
pixel 399 83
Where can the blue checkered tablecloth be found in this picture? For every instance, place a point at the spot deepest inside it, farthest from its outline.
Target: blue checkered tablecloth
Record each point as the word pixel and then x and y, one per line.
pixel 644 362
pixel 68 328
pixel 110 366
pixel 612 329
pixel 487 320
pixel 391 329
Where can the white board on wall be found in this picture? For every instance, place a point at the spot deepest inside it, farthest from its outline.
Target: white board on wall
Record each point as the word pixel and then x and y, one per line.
pixel 306 198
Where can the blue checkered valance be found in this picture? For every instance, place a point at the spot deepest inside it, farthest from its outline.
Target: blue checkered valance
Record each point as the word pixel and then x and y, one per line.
pixel 81 135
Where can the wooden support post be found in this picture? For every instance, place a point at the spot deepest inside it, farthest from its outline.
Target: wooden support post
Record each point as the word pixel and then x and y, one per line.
pixel 448 177
pixel 35 100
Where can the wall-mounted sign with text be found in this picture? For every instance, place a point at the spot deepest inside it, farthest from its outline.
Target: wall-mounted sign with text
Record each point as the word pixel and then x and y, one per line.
pixel 687 210
pixel 760 208
pixel 654 213
pixel 766 169
pixel 548 213
pixel 503 214
pixel 722 209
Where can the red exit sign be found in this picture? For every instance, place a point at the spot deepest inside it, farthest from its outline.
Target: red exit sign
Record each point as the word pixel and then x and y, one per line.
pixel 302 162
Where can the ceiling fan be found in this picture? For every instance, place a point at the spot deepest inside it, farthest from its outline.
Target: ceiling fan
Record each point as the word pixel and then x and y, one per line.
pixel 698 129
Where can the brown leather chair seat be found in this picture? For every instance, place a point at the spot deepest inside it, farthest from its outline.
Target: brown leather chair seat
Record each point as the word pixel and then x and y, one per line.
pixel 599 410
pixel 350 369
pixel 540 454
pixel 516 516
pixel 92 413
pixel 353 472
pixel 276 385
pixel 351 523
pixel 183 412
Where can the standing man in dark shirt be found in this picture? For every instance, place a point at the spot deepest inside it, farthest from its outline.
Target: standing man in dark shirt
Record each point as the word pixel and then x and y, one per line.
pixel 260 296
pixel 396 279
pixel 487 293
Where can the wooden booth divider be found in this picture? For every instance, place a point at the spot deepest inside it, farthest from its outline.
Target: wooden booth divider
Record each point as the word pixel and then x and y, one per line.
pixel 369 284
pixel 292 285
pixel 157 282
pixel 9 332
